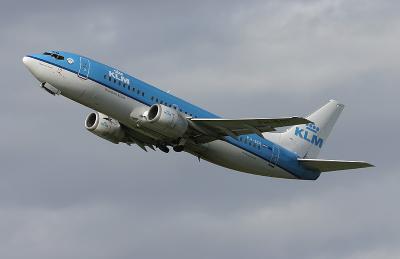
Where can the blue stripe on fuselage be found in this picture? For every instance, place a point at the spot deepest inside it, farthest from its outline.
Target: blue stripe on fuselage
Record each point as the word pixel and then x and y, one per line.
pixel 287 159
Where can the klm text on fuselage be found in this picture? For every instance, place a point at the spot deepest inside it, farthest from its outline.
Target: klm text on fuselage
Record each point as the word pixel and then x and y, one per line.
pixel 306 135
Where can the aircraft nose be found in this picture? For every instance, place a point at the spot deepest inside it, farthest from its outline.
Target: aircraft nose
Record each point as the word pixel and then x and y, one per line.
pixel 29 63
pixel 26 60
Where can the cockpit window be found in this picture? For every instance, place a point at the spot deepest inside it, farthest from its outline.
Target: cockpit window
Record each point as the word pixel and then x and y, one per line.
pixel 54 55
pixel 58 57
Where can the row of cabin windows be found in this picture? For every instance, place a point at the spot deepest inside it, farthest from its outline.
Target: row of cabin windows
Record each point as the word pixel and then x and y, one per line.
pixel 170 105
pixel 251 143
pixel 138 91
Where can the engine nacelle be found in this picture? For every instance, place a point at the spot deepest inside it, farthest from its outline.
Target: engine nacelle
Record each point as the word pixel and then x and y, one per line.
pixel 104 127
pixel 166 121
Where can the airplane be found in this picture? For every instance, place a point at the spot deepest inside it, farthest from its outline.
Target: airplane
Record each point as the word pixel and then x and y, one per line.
pixel 128 110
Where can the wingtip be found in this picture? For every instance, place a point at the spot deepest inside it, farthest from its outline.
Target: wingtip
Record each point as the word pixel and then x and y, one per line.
pixel 366 165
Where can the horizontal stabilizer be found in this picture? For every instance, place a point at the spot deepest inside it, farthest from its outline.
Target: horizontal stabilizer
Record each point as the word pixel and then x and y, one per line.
pixel 321 165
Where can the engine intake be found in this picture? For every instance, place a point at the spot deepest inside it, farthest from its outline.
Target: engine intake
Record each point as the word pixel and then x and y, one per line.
pixel 103 126
pixel 166 121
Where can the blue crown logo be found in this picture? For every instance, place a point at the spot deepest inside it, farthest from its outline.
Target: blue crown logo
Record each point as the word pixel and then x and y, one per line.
pixel 312 127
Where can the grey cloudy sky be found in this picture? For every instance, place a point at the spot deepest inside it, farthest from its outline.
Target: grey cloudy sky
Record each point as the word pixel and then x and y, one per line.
pixel 64 193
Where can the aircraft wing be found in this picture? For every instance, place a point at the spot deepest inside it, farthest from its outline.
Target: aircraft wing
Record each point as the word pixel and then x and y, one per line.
pixel 321 165
pixel 219 128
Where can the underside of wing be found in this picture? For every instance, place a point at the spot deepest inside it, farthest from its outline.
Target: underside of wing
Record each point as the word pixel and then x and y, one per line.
pixel 321 165
pixel 134 137
pixel 218 128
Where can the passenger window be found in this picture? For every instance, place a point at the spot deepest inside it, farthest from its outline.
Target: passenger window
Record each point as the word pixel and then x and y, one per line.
pixel 142 93
pixel 115 80
pixel 109 78
pixel 105 76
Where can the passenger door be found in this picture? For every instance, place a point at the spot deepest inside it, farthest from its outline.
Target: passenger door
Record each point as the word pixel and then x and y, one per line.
pixel 274 155
pixel 84 68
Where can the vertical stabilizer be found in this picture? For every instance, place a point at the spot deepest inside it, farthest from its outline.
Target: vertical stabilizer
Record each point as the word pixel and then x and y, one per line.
pixel 307 140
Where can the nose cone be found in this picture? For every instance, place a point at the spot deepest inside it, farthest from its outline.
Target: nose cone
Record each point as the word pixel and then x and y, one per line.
pixel 32 66
pixel 27 62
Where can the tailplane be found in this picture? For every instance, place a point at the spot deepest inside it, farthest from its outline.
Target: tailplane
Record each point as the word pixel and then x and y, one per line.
pixel 307 140
pixel 321 165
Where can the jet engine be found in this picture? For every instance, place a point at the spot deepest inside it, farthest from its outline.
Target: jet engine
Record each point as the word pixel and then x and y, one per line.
pixel 166 121
pixel 104 127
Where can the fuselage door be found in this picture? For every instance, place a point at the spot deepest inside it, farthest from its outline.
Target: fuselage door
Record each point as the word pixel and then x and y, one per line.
pixel 84 68
pixel 274 155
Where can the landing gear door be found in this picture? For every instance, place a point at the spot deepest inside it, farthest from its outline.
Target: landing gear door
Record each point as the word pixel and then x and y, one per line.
pixel 84 68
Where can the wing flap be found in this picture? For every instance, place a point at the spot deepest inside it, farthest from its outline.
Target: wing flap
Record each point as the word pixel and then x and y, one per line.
pixel 321 165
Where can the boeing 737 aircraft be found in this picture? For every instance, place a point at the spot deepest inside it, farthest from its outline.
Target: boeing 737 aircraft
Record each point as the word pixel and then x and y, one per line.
pixel 131 111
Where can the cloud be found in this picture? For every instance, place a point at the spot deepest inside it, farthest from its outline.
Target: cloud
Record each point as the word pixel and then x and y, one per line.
pixel 330 224
pixel 66 193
